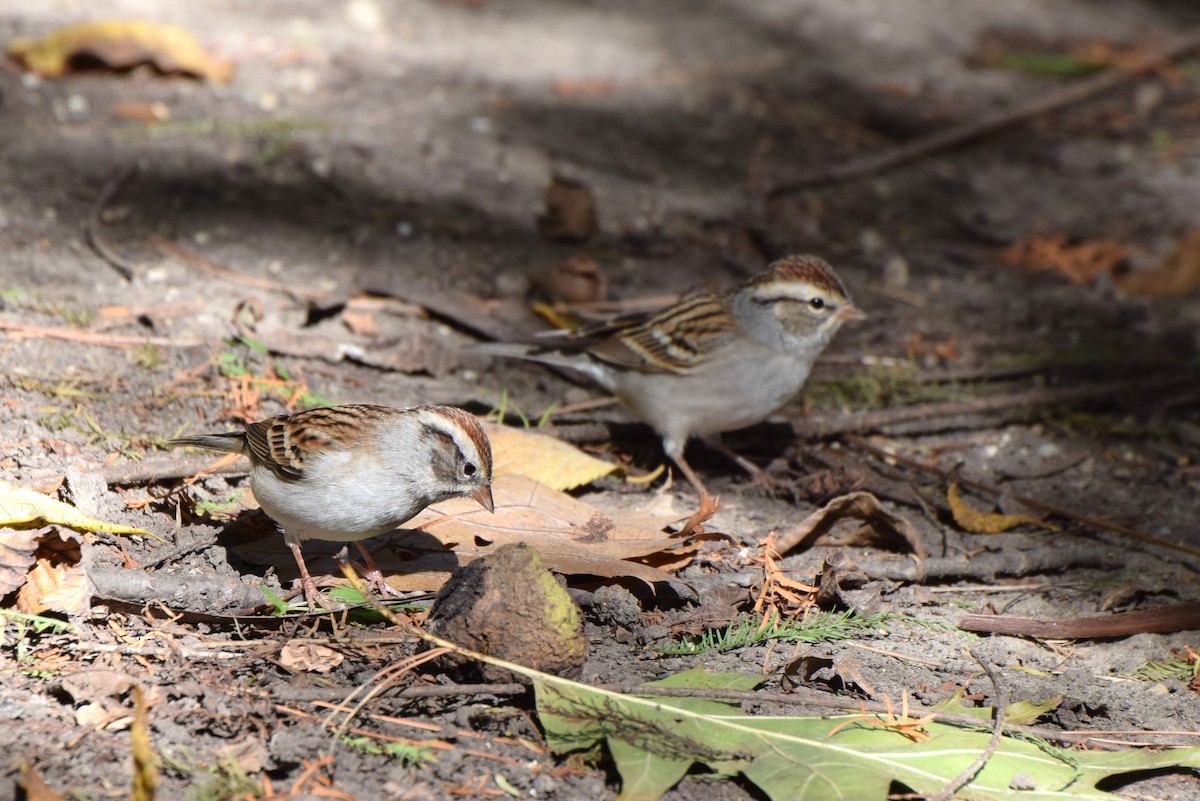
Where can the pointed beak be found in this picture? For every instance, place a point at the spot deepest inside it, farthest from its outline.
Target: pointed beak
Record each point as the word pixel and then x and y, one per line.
pixel 850 312
pixel 483 496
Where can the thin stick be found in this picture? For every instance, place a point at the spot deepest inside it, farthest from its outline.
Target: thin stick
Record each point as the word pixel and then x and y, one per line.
pixel 124 341
pixel 895 655
pixel 91 228
pixel 959 781
pixel 989 124
pixel 232 276
pixel 1159 620
pixel 423 691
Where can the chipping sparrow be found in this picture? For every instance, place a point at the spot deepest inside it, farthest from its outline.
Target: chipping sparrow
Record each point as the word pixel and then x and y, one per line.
pixel 711 362
pixel 346 473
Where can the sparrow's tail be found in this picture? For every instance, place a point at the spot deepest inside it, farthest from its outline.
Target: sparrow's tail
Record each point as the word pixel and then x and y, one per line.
pixel 233 442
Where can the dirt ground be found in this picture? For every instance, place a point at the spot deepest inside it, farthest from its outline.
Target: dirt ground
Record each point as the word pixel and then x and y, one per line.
pixel 363 198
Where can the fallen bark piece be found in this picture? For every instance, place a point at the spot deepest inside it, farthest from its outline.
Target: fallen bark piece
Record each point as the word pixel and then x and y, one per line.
pixel 509 605
pixel 1162 620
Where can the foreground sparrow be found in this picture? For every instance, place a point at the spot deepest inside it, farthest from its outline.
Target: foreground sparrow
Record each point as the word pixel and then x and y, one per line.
pixel 346 473
pixel 710 363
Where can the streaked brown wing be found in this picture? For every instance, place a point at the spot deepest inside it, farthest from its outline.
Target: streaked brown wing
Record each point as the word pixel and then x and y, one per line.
pixel 672 341
pixel 267 441
pixel 282 443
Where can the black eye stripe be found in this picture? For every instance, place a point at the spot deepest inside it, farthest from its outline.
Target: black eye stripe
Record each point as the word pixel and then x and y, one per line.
pixel 819 304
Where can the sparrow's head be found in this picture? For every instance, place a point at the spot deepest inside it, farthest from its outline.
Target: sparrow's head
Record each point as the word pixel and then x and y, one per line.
pixel 805 297
pixel 462 465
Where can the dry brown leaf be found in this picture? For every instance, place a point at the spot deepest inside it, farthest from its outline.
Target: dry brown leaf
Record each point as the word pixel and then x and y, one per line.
pixel 573 537
pixel 97 686
pixel 35 788
pixel 309 657
pixel 854 506
pixel 58 588
pixel 120 45
pixel 16 557
pixel 1177 274
pixel 58 581
pixel 974 521
pixel 360 323
pixel 543 458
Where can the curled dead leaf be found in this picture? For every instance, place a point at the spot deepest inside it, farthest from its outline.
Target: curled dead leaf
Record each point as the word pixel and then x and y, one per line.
pixel 16 557
pixel 854 506
pixel 58 581
pixel 120 45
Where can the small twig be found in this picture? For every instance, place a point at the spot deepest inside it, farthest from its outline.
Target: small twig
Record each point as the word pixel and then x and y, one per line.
pixel 181 591
pixel 959 781
pixel 124 341
pixel 232 276
pixel 338 694
pixel 988 589
pixel 439 745
pixel 91 228
pixel 160 652
pixel 989 124
pixel 987 565
pixel 895 655
pixel 156 471
pixel 1159 620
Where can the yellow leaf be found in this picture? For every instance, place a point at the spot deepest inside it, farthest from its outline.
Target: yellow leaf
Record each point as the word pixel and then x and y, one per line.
pixel 20 506
pixel 120 45
pixel 543 458
pixel 977 522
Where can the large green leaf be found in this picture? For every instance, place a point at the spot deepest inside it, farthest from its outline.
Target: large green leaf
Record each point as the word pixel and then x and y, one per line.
pixel 656 740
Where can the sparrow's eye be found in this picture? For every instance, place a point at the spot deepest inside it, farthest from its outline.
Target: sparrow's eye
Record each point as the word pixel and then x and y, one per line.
pixel 468 469
pixel 817 303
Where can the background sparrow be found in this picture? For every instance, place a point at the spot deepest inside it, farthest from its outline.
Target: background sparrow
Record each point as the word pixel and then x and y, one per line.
pixel 346 473
pixel 712 362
